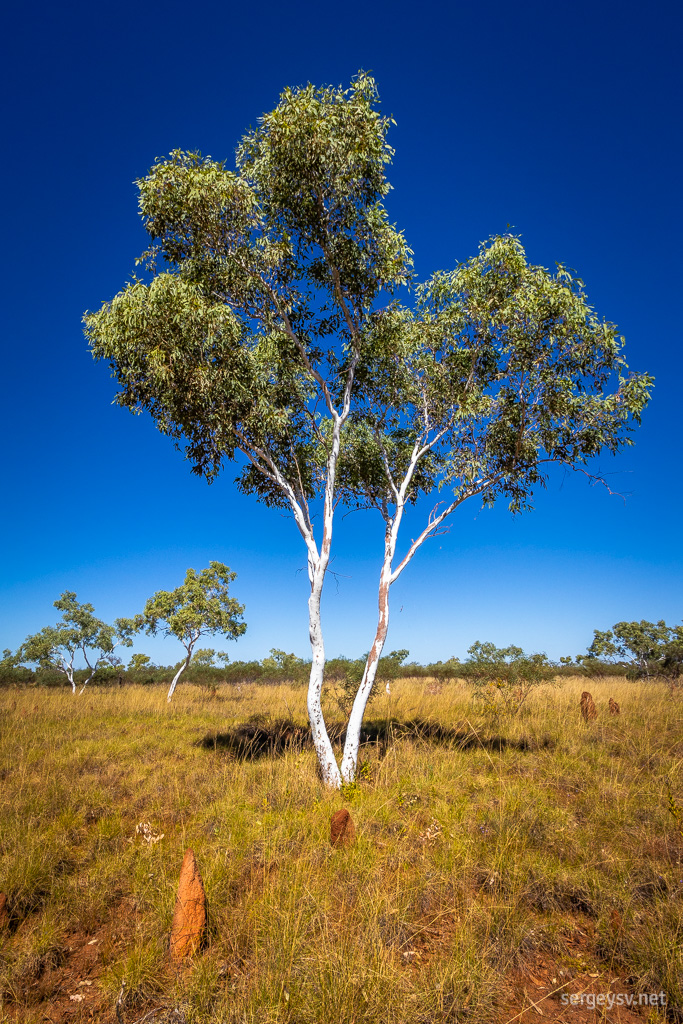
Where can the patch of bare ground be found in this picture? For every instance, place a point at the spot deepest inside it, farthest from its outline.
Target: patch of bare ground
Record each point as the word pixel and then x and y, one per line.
pixel 65 985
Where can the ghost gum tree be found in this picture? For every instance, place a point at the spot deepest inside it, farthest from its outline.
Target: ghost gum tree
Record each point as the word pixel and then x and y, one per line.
pixel 79 634
pixel 267 328
pixel 264 283
pixel 201 606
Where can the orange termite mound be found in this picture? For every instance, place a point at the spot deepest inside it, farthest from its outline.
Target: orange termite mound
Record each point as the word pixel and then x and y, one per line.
pixel 587 706
pixel 342 831
pixel 189 916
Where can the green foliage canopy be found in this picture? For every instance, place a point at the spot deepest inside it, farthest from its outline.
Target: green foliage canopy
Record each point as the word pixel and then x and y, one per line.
pixel 138 662
pixel 201 606
pixel 228 346
pixel 79 632
pixel 263 318
pixel 502 368
pixel 651 647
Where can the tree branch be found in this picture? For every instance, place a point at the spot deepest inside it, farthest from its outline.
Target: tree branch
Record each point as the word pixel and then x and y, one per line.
pixel 301 516
pixel 433 524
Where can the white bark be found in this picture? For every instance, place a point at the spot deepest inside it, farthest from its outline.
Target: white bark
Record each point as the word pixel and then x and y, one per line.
pixel 387 577
pixel 321 739
pixel 92 668
pixel 352 743
pixel 317 567
pixel 68 670
pixel 180 672
pixel 87 681
pixel 318 562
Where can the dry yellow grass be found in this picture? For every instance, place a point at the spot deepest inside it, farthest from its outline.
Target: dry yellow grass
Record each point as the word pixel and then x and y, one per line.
pixel 483 850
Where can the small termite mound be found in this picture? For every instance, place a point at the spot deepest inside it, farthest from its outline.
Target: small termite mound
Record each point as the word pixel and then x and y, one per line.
pixel 189 916
pixel 342 830
pixel 587 706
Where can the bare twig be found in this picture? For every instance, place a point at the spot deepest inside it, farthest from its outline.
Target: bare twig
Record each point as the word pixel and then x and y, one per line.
pixel 119 1003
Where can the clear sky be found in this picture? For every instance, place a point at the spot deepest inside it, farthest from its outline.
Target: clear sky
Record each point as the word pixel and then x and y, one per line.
pixel 561 120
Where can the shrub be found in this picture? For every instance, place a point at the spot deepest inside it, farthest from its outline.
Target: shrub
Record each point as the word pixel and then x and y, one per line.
pixel 503 677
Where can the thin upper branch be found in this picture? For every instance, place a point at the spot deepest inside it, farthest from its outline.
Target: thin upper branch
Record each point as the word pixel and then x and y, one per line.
pixel 301 515
pixel 436 521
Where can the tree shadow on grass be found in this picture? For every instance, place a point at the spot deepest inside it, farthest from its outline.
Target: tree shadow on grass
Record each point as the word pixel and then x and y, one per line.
pixel 259 738
pixel 252 740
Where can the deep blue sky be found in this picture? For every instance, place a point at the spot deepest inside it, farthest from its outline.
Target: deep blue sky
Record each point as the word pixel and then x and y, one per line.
pixel 560 120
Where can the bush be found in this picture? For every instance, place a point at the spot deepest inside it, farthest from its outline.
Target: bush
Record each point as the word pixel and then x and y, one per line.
pixel 503 677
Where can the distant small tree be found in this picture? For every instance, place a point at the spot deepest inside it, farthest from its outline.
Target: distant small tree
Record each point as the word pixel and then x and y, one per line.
pixel 138 662
pixel 204 658
pixel 672 654
pixel 8 660
pixel 390 665
pixel 80 633
pixel 8 664
pixel 200 607
pixel 288 666
pixel 648 646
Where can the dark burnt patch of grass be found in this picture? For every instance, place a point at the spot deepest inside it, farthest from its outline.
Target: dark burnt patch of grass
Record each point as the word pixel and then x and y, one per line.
pixel 258 737
pixel 251 741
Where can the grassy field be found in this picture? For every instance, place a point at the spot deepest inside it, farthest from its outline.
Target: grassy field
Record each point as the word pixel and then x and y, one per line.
pixel 499 865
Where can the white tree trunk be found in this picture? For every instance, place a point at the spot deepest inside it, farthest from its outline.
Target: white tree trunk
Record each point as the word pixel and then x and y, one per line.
pixel 86 682
pixel 317 563
pixel 321 739
pixel 178 674
pixel 317 567
pixel 69 673
pixel 387 577
pixel 350 757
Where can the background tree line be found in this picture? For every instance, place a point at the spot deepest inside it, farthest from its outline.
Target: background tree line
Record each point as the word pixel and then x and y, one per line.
pixel 635 649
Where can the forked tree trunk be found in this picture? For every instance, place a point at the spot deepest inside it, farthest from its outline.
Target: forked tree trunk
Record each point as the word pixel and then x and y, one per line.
pixel 69 673
pixel 387 577
pixel 317 567
pixel 178 674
